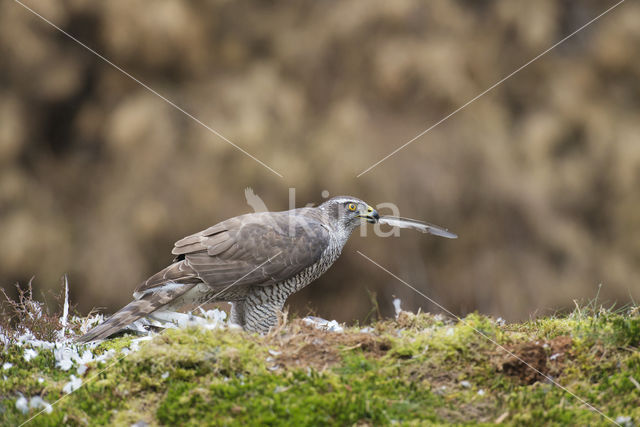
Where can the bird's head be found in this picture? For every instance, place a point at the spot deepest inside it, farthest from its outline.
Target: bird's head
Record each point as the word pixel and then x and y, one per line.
pixel 349 212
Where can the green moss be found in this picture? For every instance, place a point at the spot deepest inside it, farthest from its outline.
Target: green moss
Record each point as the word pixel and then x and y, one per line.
pixel 353 393
pixel 418 369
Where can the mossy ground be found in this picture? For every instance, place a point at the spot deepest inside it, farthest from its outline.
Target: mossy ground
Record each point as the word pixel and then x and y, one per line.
pixel 417 369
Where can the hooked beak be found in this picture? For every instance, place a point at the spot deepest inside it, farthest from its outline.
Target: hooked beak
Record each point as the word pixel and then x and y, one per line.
pixel 371 215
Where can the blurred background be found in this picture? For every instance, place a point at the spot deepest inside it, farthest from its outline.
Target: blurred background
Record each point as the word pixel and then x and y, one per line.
pixel 540 177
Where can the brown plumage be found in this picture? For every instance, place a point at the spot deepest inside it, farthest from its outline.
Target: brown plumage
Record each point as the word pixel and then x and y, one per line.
pixel 254 261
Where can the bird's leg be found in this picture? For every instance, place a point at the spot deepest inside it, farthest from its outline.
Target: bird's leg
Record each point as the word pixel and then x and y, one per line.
pixel 261 311
pixel 237 313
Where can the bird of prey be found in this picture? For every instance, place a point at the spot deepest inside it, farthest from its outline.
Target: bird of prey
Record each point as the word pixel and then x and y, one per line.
pixel 254 261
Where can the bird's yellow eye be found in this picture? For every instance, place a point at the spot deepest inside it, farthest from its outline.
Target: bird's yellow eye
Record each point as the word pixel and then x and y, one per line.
pixel 352 206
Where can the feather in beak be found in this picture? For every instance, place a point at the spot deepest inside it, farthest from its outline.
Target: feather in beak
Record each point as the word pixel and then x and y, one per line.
pixel 396 221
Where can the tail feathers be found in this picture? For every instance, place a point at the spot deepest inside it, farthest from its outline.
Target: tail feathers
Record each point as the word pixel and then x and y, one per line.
pixel 145 305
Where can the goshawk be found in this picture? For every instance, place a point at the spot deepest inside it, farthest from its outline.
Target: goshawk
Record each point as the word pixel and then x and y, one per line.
pixel 254 261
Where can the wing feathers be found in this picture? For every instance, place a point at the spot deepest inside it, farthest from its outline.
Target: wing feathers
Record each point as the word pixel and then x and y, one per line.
pixel 235 249
pixel 133 311
pixel 198 237
pixel 178 272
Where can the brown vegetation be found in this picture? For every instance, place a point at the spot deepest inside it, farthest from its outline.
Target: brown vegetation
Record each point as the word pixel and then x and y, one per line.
pixel 302 345
pixel 532 361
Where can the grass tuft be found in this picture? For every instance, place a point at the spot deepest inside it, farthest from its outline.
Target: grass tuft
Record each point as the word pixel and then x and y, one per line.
pixel 417 368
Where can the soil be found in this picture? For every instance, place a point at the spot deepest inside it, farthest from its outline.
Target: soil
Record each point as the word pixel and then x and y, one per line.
pixel 534 361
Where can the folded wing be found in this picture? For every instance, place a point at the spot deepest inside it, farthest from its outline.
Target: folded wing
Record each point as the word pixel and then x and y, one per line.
pixel 253 249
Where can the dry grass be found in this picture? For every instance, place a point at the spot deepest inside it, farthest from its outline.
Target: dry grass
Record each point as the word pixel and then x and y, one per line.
pixel 28 315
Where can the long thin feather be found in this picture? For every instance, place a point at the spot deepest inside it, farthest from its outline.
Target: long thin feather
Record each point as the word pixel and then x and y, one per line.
pixel 424 227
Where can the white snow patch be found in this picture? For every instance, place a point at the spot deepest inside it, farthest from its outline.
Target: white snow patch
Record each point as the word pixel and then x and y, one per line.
pixel 5 337
pixel 215 314
pixel 29 339
pixel 68 356
pixel 22 404
pixel 65 310
pixel 37 402
pixel 105 356
pixel 211 319
pixel 29 354
pixel 625 421
pixel 64 357
pixel 320 323
pixel 86 357
pixel 72 385
pixel 396 305
pixel 89 322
